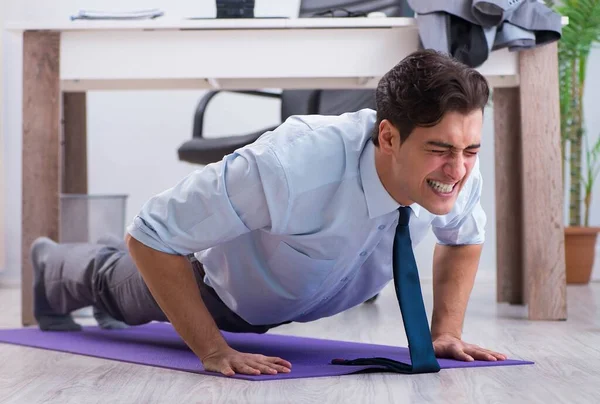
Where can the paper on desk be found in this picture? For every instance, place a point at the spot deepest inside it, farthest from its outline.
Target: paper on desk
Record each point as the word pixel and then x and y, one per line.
pixel 117 15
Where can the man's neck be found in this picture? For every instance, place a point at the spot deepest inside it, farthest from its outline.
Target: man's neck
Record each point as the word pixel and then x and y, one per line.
pixel 384 167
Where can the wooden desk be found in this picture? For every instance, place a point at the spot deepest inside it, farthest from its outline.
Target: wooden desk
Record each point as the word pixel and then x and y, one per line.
pixel 64 60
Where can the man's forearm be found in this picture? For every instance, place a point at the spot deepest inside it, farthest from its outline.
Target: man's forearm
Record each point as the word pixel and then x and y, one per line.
pixel 173 285
pixel 454 270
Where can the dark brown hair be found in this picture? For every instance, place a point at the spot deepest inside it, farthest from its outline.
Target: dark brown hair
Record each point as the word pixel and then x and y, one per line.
pixel 425 85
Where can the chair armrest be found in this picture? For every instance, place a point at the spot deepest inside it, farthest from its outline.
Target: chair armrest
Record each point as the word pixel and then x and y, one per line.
pixel 204 101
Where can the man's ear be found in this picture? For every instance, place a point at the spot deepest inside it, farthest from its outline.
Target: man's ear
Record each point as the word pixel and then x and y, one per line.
pixel 389 137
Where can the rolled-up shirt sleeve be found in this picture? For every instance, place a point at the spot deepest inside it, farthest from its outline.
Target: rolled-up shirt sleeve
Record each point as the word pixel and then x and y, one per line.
pixel 246 190
pixel 466 223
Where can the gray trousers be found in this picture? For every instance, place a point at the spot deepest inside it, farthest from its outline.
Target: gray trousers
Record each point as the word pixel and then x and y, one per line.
pixel 104 275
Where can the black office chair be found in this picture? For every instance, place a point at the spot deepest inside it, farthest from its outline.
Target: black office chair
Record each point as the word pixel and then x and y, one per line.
pixel 202 150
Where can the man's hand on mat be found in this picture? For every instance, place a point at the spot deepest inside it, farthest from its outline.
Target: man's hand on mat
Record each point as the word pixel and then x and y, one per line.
pixel 448 346
pixel 229 362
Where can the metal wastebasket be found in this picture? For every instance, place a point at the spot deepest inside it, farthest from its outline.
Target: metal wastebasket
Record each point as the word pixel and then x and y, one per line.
pixel 86 218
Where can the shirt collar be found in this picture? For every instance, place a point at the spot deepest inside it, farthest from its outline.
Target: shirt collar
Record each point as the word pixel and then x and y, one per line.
pixel 379 201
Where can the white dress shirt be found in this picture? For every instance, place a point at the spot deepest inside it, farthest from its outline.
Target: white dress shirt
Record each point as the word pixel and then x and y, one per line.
pixel 297 226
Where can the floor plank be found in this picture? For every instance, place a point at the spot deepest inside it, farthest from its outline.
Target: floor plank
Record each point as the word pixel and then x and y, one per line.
pixel 566 353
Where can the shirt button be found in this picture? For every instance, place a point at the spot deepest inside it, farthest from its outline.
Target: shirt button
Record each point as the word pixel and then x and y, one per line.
pixel 363 253
pixel 381 227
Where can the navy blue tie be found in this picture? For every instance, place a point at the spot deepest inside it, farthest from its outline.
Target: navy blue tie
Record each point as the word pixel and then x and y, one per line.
pixel 408 291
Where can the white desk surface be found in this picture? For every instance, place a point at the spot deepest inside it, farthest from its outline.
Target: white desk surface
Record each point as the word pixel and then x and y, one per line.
pixel 165 23
pixel 213 23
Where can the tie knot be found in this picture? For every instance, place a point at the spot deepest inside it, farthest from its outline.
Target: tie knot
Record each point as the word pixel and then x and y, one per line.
pixel 404 215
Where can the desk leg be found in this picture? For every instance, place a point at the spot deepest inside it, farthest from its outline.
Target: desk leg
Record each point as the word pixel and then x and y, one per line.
pixel 542 203
pixel 74 178
pixel 41 136
pixel 74 162
pixel 509 222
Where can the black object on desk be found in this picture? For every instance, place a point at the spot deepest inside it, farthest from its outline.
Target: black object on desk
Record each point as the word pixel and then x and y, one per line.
pixel 235 8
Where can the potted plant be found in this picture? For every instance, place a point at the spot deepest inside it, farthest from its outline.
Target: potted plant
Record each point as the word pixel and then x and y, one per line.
pixel 578 37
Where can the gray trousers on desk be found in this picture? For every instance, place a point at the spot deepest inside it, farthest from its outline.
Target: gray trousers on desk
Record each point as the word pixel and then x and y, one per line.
pixel 104 275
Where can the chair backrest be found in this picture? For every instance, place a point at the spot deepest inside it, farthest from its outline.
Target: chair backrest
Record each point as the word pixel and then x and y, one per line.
pixel 299 102
pixel 336 102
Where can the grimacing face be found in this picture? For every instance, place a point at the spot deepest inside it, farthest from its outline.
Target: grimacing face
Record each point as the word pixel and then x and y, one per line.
pixel 433 164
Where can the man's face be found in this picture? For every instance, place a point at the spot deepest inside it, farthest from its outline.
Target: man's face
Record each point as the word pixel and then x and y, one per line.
pixel 433 164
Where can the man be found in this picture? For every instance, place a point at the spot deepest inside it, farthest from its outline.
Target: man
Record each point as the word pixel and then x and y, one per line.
pixel 297 226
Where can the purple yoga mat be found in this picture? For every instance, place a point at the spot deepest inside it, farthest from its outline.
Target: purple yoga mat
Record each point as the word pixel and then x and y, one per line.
pixel 157 344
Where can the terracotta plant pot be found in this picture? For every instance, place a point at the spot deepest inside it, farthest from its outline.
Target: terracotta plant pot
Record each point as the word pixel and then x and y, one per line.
pixel 580 249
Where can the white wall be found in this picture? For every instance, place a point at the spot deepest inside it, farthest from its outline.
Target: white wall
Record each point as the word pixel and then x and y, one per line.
pixel 592 120
pixel 2 233
pixel 135 135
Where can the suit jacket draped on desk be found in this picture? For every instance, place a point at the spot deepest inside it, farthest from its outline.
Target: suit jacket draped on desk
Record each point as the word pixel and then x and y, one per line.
pixel 470 29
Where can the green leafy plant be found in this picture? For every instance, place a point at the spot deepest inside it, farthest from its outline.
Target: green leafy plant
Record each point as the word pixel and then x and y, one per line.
pixel 578 37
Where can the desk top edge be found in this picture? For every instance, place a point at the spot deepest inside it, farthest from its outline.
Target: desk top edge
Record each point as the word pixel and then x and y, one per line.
pixel 214 23
pixel 211 23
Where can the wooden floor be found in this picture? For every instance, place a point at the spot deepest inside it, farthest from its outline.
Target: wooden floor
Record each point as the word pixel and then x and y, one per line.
pixel 567 369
